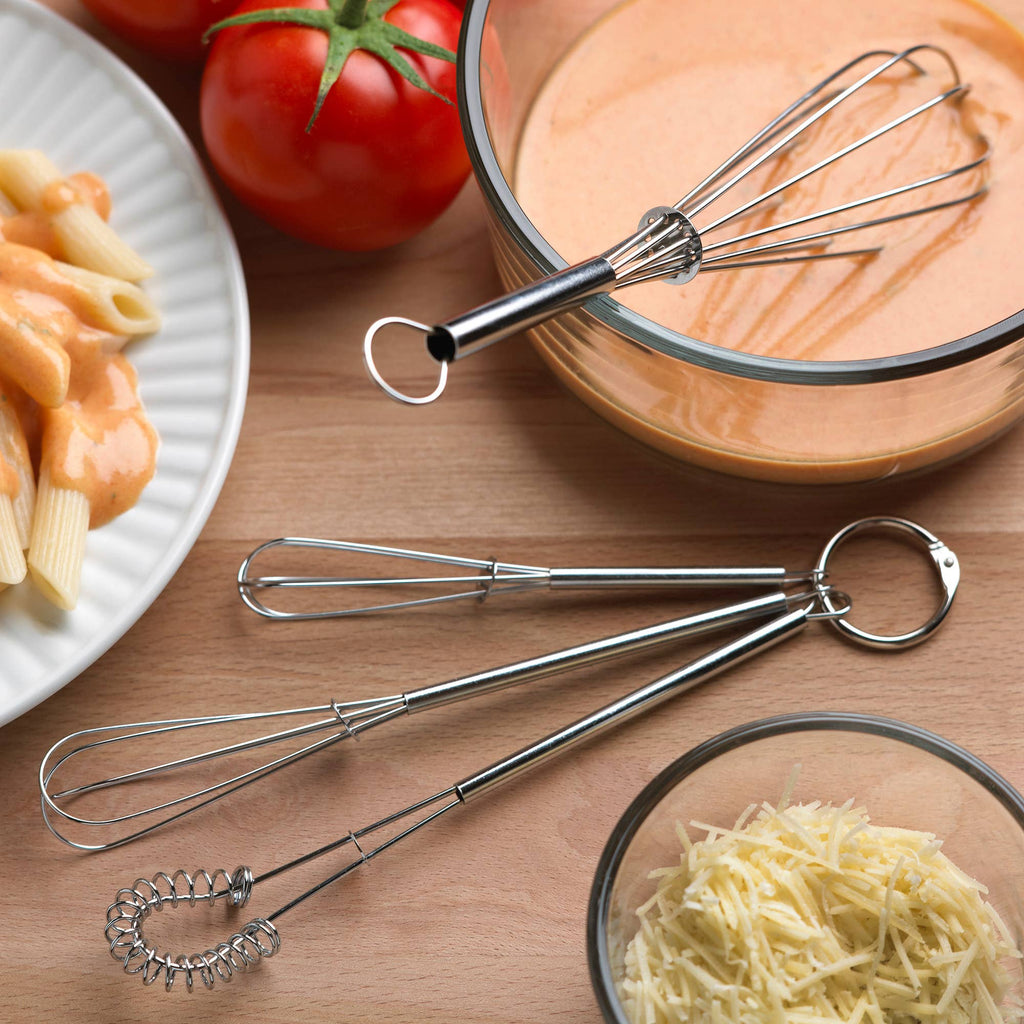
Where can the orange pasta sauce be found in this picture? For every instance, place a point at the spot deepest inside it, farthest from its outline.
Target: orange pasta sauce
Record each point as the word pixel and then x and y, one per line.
pixel 659 92
pixel 32 227
pixel 93 433
pixel 98 441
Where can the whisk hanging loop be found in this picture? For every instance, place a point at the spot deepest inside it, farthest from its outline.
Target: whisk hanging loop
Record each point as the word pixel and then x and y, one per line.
pixel 669 244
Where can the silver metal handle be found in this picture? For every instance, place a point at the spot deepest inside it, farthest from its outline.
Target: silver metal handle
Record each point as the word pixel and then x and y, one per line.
pixel 674 683
pixel 586 654
pixel 469 332
pixel 520 309
pixel 708 576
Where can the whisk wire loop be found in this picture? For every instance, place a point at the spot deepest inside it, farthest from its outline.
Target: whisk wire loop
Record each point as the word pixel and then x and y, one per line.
pixel 242 951
pixel 811 101
pixel 712 247
pixel 260 940
pixel 490 576
pixel 817 115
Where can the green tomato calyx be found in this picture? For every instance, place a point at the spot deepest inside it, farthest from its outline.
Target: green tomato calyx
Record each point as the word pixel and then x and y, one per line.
pixel 350 25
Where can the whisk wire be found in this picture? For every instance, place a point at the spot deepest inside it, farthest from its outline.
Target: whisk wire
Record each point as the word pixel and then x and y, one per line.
pixel 448 800
pixel 490 575
pixel 817 115
pixel 711 247
pixel 793 113
pixel 349 719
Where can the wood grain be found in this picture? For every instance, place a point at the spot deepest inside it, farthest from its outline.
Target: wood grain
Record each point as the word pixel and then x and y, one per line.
pixel 481 917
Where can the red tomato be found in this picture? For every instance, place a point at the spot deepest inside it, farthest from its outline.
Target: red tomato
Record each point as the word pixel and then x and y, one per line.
pixel 381 161
pixel 168 28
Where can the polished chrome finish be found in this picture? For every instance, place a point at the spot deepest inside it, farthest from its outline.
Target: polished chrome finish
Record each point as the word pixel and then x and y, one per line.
pixel 480 578
pixel 260 939
pixel 683 679
pixel 670 245
pixel 787 615
pixel 323 725
pixel 520 309
pixel 241 952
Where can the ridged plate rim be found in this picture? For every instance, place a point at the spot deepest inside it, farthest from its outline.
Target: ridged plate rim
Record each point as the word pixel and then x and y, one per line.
pixel 197 401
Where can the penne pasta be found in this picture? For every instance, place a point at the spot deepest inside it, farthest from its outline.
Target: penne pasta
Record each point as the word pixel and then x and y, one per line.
pixel 32 356
pixel 57 545
pixel 112 304
pixel 12 555
pixel 14 452
pixel 68 303
pixel 33 182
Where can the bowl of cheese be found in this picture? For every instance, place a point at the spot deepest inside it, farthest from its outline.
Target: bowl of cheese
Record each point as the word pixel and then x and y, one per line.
pixel 812 868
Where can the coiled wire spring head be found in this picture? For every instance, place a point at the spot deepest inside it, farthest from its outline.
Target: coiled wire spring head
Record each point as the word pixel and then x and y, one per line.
pixel 240 952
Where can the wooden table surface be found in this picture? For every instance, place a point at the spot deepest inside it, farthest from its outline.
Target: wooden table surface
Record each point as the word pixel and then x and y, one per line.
pixel 480 917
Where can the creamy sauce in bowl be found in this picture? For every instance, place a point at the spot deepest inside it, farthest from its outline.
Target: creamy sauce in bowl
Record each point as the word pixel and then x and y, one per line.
pixel 659 92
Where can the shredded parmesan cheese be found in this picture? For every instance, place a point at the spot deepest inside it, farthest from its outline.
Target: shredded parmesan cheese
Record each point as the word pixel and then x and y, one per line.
pixel 811 914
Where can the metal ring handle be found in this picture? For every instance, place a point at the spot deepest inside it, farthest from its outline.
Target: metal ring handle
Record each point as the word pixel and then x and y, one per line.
pixel 946 565
pixel 377 377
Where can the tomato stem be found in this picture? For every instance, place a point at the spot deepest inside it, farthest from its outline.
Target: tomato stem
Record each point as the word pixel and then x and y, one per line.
pixel 349 13
pixel 350 25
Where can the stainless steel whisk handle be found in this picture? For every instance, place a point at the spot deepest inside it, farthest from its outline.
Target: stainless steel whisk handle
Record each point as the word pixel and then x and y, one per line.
pixel 635 703
pixel 490 577
pixel 665 245
pixel 674 243
pixel 259 939
pixel 486 324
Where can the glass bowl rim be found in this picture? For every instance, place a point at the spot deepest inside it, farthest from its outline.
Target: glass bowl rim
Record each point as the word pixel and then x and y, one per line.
pixel 623 320
pixel 765 728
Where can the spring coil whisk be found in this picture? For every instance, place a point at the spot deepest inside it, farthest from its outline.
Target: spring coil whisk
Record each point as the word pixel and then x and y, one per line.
pixel 242 951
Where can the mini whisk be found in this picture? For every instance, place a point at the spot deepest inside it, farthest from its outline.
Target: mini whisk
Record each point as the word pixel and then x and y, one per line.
pixel 260 939
pixel 473 578
pixel 670 245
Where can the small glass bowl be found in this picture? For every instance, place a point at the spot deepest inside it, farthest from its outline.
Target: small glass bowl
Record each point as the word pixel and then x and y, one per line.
pixel 902 775
pixel 815 421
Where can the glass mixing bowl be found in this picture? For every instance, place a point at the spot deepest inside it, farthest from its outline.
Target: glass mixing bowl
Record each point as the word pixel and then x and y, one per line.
pixel 816 421
pixel 902 775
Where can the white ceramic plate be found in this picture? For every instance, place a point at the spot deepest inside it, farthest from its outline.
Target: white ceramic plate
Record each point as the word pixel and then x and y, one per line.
pixel 60 91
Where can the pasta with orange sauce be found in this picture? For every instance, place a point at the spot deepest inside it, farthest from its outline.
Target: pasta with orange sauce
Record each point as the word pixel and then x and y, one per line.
pixel 76 448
